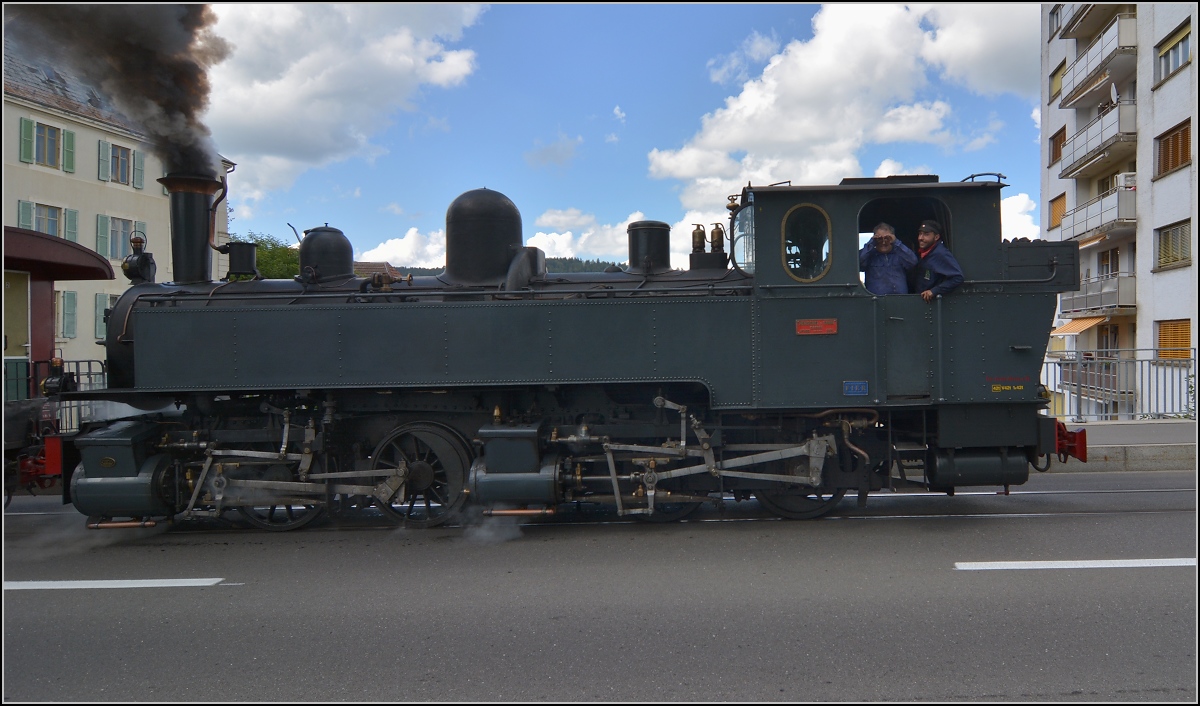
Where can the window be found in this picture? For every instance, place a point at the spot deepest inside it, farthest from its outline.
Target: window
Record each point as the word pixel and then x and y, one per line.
pixel 1055 19
pixel 1108 338
pixel 46 218
pixel 51 220
pixel 1056 145
pixel 119 232
pixel 120 165
pixel 1110 262
pixel 1056 80
pixel 1174 53
pixel 741 244
pixel 1058 209
pixel 1174 148
pixel 806 252
pixel 1106 184
pixel 1174 244
pixel 47 145
pixel 1175 338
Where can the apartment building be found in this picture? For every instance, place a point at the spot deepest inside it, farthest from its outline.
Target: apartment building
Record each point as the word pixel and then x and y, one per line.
pixel 75 168
pixel 1119 178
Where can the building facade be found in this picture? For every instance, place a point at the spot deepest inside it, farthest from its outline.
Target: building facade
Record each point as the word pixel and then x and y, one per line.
pixel 75 168
pixel 1119 178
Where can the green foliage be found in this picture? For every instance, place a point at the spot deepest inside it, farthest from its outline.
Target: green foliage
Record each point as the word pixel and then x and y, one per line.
pixel 573 264
pixel 276 258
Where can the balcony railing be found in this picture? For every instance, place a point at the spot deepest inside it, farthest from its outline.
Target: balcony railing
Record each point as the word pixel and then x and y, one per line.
pixel 1121 34
pixel 1108 209
pixel 1106 292
pixel 1113 126
pixel 1122 384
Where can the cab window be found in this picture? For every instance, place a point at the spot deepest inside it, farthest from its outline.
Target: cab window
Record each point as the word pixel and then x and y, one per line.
pixel 806 246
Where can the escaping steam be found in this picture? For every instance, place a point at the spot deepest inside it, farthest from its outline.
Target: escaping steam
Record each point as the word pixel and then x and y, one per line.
pixel 150 60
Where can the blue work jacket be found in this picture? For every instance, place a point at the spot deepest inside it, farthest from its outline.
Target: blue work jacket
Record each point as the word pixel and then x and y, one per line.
pixel 886 273
pixel 938 271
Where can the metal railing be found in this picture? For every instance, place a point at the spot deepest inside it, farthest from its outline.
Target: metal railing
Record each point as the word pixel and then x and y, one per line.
pixel 22 382
pixel 1102 293
pixel 1100 132
pixel 1122 32
pixel 1116 205
pixel 1126 384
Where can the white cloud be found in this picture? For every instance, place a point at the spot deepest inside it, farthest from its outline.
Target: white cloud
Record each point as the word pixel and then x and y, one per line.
pixel 572 233
pixel 393 208
pixel 619 114
pixel 301 88
pixel 1017 217
pixel 735 66
pixel 890 167
pixel 858 81
pixel 557 153
pixel 1036 114
pixel 990 49
pixel 415 249
pixel 611 138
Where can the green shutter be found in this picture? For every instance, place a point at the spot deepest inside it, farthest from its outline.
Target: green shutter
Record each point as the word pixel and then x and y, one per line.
pixel 102 235
pixel 68 139
pixel 139 169
pixel 71 224
pixel 26 140
pixel 101 303
pixel 25 214
pixel 68 315
pixel 105 166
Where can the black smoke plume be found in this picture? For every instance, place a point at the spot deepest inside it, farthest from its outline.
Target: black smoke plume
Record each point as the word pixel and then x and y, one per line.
pixel 150 60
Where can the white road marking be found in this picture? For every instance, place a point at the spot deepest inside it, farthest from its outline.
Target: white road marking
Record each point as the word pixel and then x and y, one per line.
pixel 121 583
pixel 1085 564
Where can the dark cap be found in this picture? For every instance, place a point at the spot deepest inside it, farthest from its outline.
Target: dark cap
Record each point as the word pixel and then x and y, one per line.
pixel 931 226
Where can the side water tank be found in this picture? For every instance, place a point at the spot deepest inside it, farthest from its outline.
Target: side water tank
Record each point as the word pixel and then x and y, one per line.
pixel 325 254
pixel 483 233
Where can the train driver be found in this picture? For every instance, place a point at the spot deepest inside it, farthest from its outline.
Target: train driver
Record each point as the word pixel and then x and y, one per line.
pixel 937 270
pixel 886 262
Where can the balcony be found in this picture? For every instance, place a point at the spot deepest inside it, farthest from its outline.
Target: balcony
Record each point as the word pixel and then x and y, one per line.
pixel 1123 384
pixel 1112 295
pixel 1113 213
pixel 1103 144
pixel 1111 59
pixel 1083 20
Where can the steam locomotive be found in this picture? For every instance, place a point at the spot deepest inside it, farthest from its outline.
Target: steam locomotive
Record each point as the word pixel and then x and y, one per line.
pixel 764 369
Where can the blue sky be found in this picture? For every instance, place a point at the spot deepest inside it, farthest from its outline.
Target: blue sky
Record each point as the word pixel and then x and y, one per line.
pixel 374 118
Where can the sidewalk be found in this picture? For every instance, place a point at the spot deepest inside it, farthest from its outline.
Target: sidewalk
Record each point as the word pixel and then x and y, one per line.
pixel 1154 445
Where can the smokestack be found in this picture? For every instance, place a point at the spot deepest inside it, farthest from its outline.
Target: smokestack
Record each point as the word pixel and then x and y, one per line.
pixel 150 60
pixel 192 224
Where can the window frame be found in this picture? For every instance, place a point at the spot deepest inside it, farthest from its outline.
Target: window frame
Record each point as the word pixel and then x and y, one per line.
pixel 47 144
pixel 783 242
pixel 1057 76
pixel 1057 142
pixel 1178 140
pixel 1180 39
pixel 42 214
pixel 1178 240
pixel 1051 210
pixel 1169 334
pixel 121 169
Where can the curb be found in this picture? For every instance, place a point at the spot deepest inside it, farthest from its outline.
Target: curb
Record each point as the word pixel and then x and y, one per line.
pixel 1147 457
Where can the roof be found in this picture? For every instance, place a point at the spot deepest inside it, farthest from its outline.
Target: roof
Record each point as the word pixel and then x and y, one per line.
pixel 55 87
pixel 46 257
pixel 366 269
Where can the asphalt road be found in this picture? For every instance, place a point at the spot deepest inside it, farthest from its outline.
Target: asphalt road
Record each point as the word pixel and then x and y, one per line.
pixel 886 603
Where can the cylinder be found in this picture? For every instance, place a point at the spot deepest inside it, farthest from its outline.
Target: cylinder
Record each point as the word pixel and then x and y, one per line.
pixel 483 231
pixel 243 258
pixel 325 254
pixel 191 225
pixel 649 247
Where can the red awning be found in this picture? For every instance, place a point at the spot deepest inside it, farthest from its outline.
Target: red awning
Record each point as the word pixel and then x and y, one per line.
pixel 46 257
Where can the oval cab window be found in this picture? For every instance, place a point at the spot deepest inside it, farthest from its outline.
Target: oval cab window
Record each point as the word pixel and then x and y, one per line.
pixel 806 251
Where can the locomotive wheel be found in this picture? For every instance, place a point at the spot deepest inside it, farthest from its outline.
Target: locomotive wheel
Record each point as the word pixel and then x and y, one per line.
pixel 280 516
pixel 799 503
pixel 438 461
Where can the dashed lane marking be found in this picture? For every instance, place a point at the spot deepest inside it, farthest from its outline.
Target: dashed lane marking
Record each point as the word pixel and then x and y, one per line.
pixel 1083 564
pixel 123 583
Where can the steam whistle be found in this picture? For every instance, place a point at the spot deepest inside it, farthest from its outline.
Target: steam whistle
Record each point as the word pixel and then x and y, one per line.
pixel 718 238
pixel 698 238
pixel 139 265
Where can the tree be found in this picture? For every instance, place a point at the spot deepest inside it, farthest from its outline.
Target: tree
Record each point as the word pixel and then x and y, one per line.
pixel 276 259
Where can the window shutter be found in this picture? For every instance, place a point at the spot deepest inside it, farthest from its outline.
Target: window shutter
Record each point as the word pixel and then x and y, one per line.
pixel 139 169
pixel 71 224
pixel 25 214
pixel 26 140
pixel 101 303
pixel 102 235
pixel 68 314
pixel 68 151
pixel 105 166
pixel 140 227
